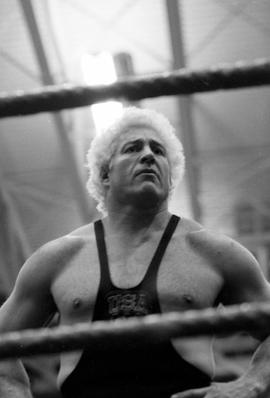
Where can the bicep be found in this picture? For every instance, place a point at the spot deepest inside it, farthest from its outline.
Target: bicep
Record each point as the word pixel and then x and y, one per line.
pixel 30 303
pixel 22 313
pixel 244 280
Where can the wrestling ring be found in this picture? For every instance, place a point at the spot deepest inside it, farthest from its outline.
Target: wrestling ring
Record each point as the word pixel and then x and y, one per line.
pixel 102 335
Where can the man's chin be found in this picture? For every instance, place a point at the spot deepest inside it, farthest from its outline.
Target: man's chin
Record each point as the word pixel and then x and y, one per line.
pixel 150 195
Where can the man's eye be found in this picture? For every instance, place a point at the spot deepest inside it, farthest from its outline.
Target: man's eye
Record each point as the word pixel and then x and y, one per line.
pixel 130 149
pixel 159 151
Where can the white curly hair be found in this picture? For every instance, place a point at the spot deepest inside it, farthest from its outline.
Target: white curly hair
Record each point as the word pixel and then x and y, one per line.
pixel 103 147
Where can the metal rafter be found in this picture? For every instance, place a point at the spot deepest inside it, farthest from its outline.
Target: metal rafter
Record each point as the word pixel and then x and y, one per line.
pixel 14 237
pixel 47 79
pixel 17 64
pixel 217 29
pixel 185 108
pixel 83 10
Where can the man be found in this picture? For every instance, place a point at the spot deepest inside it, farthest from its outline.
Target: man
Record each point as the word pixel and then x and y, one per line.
pixel 139 259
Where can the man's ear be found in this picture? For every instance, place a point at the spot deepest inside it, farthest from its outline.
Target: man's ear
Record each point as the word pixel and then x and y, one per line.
pixel 105 176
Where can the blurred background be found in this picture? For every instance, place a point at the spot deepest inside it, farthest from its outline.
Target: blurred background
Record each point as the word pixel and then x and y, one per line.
pixel 225 134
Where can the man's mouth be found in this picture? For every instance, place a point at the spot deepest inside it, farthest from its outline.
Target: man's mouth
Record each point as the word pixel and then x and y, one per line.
pixel 147 172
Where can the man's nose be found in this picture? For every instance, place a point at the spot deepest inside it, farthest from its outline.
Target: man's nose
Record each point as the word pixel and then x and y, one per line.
pixel 148 157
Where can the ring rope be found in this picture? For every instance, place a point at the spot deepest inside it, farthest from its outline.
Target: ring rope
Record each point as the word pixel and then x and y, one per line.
pixel 179 82
pixel 124 333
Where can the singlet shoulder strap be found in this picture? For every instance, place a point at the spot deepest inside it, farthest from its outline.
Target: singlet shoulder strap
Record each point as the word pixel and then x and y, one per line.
pixel 158 255
pixel 102 251
pixel 162 246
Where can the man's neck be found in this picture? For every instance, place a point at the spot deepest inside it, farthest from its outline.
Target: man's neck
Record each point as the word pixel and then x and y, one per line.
pixel 131 220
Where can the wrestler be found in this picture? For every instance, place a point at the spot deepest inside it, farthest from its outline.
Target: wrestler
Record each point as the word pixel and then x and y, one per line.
pixel 138 259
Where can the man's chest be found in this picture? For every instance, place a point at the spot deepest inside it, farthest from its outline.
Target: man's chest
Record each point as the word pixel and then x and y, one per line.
pixel 183 280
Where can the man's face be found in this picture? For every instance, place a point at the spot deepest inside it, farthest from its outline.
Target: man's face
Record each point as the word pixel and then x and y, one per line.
pixel 139 169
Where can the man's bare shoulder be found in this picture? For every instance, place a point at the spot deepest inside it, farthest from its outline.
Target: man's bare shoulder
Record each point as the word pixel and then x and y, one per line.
pixel 243 280
pixel 65 247
pixel 216 246
pixel 85 231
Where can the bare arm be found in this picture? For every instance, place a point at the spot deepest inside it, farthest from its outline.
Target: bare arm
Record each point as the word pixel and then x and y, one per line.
pixel 246 283
pixel 29 305
pixel 243 282
pixel 14 381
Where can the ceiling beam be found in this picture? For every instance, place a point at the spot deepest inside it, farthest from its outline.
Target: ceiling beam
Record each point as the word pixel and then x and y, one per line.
pixel 47 79
pixel 255 152
pixel 15 247
pixel 184 105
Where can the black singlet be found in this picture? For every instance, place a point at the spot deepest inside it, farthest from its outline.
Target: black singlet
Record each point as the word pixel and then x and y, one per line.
pixel 152 371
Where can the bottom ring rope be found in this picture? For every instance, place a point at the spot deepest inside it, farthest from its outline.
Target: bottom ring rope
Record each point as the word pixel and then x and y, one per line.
pixel 125 333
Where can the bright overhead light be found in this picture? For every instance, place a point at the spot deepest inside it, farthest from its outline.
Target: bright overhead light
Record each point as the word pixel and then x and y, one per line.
pixel 100 69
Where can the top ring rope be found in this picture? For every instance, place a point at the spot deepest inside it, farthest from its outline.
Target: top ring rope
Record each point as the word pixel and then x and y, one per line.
pixel 126 333
pixel 180 82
